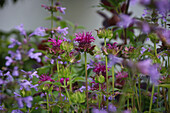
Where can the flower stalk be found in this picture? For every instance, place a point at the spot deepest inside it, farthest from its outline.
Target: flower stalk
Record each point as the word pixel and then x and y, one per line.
pixel 107 81
pixel 151 101
pixel 85 57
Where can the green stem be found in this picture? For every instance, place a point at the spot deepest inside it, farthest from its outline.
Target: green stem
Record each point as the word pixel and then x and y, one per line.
pixel 70 78
pixel 85 56
pixel 169 98
pixel 67 92
pixel 47 103
pixel 139 91
pixel 107 81
pixel 155 48
pixel 151 101
pixel 100 96
pixel 137 98
pixel 158 97
pixel 52 16
pixel 113 77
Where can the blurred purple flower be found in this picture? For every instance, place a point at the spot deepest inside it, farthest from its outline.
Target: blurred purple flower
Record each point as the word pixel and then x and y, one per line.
pixel 94 110
pixel 9 61
pixel 125 21
pixel 154 74
pixel 1 73
pixel 28 100
pixel 40 31
pixel 21 29
pixel 126 111
pixel 145 2
pixel 166 34
pixel 34 55
pixel 62 31
pixel 61 9
pixel 146 67
pixel 145 28
pixel 113 60
pixel 52 61
pixel 59 17
pixel 15 71
pixel 16 111
pixel 9 77
pixel 112 108
pixel 25 84
pixel 163 6
pixel 13 43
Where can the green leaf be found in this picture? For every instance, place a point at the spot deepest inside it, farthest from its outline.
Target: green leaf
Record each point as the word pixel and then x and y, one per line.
pixel 165 85
pixel 78 79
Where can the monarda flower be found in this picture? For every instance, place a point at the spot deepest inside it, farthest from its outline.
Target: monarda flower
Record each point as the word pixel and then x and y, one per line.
pixel 85 40
pixel 45 77
pixel 55 45
pixel 120 78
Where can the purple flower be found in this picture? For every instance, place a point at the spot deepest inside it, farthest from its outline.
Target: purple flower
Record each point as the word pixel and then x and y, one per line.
pixel 154 74
pixel 34 55
pixel 59 17
pixel 145 2
pixel 163 6
pixel 143 50
pixel 16 111
pixel 146 67
pixel 145 28
pixel 25 84
pixel 9 61
pixel 9 77
pixel 133 2
pixel 166 34
pixel 61 9
pixel 113 60
pixel 45 77
pixel 30 74
pixel 126 111
pixel 40 31
pixel 16 55
pixel 112 108
pixel 15 71
pixel 125 21
pixel 28 100
pixel 34 74
pixel 94 110
pixel 21 29
pixel 13 43
pixel 62 31
pixel 52 61
pixel 1 73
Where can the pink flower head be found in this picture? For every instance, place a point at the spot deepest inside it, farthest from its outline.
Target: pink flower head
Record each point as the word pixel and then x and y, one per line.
pixel 46 77
pixel 120 78
pixel 83 38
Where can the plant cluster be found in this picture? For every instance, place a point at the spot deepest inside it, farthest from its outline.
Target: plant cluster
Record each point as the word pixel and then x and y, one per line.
pixel 55 75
